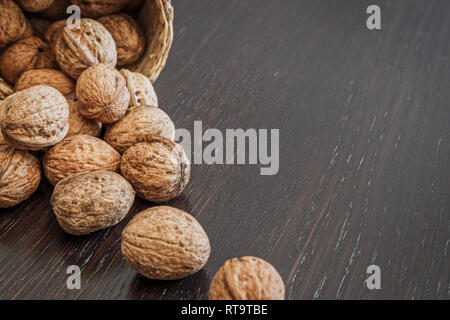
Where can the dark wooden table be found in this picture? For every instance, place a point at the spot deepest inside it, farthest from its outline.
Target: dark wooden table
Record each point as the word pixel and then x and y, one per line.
pixel 364 119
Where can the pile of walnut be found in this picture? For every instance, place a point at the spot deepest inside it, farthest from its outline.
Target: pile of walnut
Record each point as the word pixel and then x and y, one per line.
pixel 68 84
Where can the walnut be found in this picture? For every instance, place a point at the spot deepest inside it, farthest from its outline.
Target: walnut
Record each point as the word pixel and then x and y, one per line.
pixel 53 31
pixel 79 124
pixel 102 93
pixel 165 243
pixel 78 49
pixel 140 121
pixel 129 37
pixel 90 201
pixel 40 25
pixel 12 22
pixel 35 118
pixel 48 77
pixel 157 168
pixel 20 175
pixel 35 5
pixel 97 8
pixel 5 89
pixel 80 153
pixel 29 32
pixel 58 10
pixel 26 54
pixel 141 89
pixel 247 278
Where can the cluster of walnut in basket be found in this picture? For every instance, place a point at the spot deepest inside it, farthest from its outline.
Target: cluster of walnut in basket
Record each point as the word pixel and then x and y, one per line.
pixel 68 83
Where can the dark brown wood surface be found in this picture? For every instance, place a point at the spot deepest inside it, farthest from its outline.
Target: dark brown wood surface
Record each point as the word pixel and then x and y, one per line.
pixel 364 119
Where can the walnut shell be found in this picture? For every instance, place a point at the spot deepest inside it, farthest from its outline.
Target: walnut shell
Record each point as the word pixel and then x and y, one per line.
pixel 35 118
pixel 102 93
pixel 127 34
pixel 247 278
pixel 49 77
pixel 141 89
pixel 79 124
pixel 54 31
pixel 78 49
pixel 80 153
pixel 97 8
pixel 165 243
pixel 90 201
pixel 20 175
pixel 140 121
pixel 35 5
pixel 26 54
pixel 58 10
pixel 5 89
pixel 158 168
pixel 12 22
pixel 29 32
pixel 40 25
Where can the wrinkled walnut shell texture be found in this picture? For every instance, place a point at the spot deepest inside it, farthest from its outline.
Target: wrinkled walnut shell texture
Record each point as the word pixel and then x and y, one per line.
pixel 129 37
pixel 49 77
pixel 141 89
pixel 78 49
pixel 79 124
pixel 165 243
pixel 12 22
pixel 35 5
pixel 247 278
pixel 90 201
pixel 80 153
pixel 158 169
pixel 20 175
pixel 140 121
pixel 53 32
pixel 26 54
pixel 35 118
pixel 102 93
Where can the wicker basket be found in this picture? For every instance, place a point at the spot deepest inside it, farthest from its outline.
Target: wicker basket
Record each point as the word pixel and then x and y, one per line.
pixel 155 18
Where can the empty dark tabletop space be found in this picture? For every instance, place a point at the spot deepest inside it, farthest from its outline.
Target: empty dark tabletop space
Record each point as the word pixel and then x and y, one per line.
pixel 364 175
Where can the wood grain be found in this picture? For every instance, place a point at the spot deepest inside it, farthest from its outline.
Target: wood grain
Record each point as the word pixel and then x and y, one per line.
pixel 364 156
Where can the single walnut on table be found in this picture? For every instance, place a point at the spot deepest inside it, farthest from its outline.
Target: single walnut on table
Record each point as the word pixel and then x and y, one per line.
pixel 24 55
pixel 49 77
pixel 127 34
pixel 102 93
pixel 141 89
pixel 158 168
pixel 247 278
pixel 165 243
pixel 89 201
pixel 78 49
pixel 12 23
pixel 20 174
pixel 80 153
pixel 35 118
pixel 140 121
pixel 98 8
